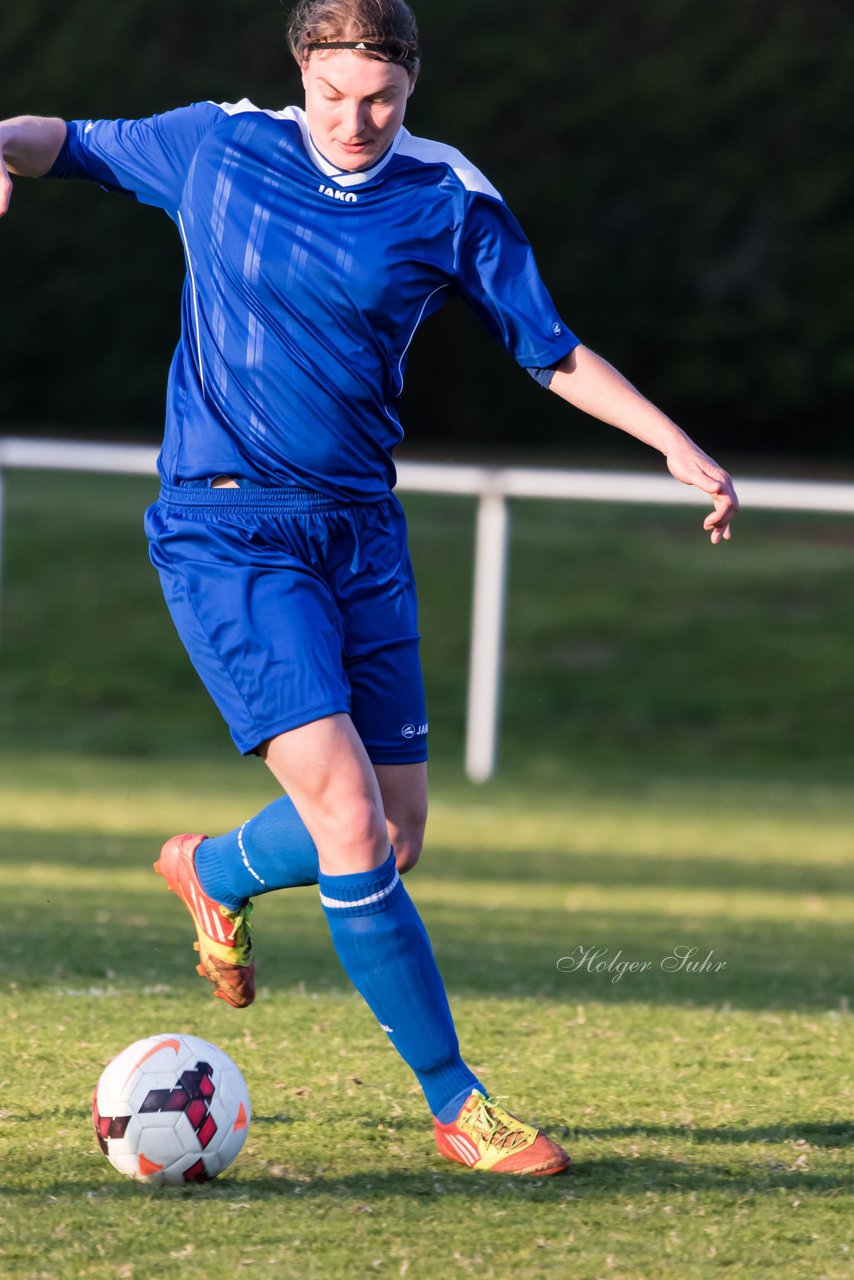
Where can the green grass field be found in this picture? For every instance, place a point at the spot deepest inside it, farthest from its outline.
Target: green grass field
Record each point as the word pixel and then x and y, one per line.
pixel 676 766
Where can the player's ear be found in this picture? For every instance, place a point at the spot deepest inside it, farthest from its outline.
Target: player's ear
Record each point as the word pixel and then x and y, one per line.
pixel 413 76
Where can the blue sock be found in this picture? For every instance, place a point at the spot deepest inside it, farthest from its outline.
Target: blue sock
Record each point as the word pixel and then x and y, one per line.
pixel 271 851
pixel 386 953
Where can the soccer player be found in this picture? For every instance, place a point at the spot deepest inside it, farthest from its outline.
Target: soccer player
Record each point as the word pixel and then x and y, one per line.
pixel 316 241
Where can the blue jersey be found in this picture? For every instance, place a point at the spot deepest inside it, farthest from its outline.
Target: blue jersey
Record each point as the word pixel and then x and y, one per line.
pixel 305 286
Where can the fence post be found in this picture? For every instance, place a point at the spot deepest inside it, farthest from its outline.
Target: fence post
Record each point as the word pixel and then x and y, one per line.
pixel 490 578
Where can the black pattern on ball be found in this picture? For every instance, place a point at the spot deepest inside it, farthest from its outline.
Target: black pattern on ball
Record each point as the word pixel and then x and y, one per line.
pixel 192 1095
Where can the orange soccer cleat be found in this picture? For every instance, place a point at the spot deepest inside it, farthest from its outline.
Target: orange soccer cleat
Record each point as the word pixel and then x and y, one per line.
pixel 224 937
pixel 487 1138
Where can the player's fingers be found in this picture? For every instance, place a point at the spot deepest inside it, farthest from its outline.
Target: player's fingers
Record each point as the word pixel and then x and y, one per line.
pixel 719 532
pixel 726 508
pixel 717 523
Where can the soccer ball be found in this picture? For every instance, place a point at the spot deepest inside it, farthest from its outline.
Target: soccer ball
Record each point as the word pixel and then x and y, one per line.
pixel 171 1108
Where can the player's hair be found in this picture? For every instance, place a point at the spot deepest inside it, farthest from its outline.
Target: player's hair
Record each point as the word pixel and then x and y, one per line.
pixel 387 28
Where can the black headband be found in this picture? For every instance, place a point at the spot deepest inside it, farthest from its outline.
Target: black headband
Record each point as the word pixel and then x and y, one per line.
pixel 392 50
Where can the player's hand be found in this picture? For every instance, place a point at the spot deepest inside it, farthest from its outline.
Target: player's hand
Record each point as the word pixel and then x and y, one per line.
pixel 690 465
pixel 5 187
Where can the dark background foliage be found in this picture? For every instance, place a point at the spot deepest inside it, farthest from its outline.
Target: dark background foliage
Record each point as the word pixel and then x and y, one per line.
pixel 682 168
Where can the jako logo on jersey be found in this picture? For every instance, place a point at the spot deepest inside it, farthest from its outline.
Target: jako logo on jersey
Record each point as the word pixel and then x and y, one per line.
pixel 413 730
pixel 347 196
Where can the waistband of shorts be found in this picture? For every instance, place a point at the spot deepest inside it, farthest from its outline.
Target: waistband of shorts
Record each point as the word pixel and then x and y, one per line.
pixel 257 498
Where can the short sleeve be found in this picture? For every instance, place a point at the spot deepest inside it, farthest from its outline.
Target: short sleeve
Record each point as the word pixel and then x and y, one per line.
pixel 147 158
pixel 498 277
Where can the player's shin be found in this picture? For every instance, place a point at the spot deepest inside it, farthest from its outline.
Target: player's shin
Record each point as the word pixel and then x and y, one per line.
pixel 384 948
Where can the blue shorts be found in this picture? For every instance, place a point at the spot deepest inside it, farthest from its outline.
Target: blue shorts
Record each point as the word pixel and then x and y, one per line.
pixel 293 606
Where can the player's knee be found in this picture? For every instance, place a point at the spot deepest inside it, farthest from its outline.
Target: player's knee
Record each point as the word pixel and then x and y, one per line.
pixel 350 835
pixel 360 827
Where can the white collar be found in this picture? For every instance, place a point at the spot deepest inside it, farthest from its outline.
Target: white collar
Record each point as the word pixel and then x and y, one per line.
pixel 343 177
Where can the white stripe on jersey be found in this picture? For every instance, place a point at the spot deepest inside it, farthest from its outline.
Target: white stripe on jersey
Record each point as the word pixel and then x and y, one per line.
pixel 438 289
pixel 237 108
pixel 438 153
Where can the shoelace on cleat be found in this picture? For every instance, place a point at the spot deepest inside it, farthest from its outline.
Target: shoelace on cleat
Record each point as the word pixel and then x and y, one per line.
pixel 495 1126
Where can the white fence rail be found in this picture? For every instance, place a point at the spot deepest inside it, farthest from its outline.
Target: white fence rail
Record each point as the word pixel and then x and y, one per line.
pixel 492 486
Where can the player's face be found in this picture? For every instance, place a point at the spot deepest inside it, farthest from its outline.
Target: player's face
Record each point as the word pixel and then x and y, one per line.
pixel 354 105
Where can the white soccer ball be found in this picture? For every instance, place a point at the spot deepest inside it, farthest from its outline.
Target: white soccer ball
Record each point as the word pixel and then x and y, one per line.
pixel 171 1108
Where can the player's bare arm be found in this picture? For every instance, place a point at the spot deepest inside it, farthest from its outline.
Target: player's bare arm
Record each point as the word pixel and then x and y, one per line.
pixel 589 383
pixel 29 146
